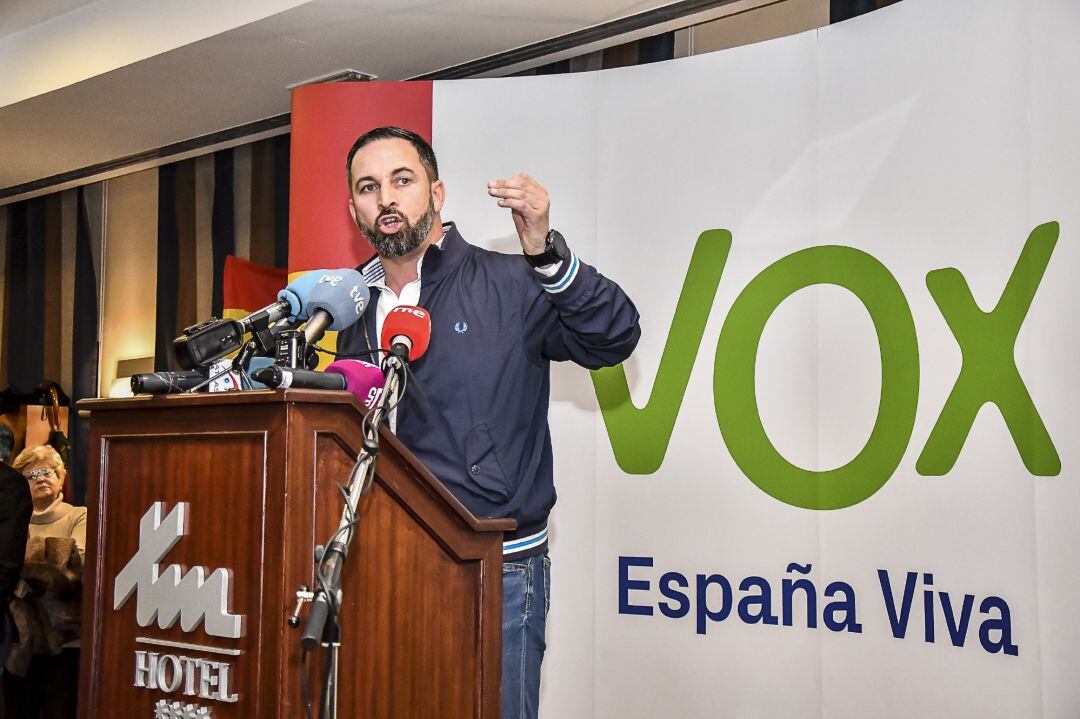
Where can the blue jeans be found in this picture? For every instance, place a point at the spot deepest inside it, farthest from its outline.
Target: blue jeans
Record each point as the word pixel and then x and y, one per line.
pixel 526 600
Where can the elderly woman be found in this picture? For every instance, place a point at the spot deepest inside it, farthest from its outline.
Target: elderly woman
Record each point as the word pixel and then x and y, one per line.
pixel 43 669
pixel 53 517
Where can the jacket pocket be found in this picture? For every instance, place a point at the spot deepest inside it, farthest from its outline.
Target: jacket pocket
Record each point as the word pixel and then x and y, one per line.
pixel 482 465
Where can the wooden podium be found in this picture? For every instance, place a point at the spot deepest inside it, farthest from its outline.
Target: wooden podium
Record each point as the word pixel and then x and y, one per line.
pixel 205 511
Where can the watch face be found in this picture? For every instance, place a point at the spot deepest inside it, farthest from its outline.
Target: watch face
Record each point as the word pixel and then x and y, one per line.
pixel 556 245
pixel 555 250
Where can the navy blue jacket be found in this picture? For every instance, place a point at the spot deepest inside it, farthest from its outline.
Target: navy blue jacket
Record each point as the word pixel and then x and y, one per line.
pixel 480 421
pixel 16 506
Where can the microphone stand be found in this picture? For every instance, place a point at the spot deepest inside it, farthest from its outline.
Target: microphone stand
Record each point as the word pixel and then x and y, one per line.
pixel 322 625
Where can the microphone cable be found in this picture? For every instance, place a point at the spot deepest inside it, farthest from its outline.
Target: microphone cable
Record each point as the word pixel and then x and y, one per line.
pixel 347 355
pixel 352 521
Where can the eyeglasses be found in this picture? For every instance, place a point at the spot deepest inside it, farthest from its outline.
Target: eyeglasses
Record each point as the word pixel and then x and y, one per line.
pixel 40 472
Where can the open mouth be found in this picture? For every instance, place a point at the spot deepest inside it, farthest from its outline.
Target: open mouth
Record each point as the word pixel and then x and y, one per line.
pixel 390 224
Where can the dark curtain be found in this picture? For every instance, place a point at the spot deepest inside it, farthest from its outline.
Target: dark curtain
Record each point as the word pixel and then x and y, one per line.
pixel 280 145
pixel 84 343
pixel 168 270
pixel 840 10
pixel 179 263
pixel 223 223
pixel 24 305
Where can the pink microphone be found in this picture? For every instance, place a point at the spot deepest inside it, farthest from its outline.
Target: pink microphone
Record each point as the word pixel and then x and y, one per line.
pixel 362 379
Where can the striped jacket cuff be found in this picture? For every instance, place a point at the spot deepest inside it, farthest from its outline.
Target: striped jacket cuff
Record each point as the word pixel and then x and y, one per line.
pixel 562 279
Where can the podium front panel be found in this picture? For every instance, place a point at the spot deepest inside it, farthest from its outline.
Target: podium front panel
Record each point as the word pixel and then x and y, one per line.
pixel 402 581
pixel 180 600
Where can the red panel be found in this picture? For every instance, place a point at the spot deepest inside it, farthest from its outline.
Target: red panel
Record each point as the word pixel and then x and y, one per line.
pixel 326 120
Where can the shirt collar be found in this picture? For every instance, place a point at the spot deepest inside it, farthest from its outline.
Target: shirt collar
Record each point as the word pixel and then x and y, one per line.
pixel 375 274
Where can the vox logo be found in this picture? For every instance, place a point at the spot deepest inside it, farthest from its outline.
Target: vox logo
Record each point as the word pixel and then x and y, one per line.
pixel 987 339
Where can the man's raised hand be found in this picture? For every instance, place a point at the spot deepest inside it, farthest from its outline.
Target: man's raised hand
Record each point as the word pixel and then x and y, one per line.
pixel 529 205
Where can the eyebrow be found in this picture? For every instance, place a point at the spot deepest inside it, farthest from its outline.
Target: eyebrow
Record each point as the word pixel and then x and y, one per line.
pixel 395 172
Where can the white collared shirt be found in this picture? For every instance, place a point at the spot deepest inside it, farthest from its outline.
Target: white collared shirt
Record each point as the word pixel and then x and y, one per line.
pixel 410 293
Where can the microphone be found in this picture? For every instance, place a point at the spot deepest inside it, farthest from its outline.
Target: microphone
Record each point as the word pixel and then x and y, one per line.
pixel 278 377
pixel 165 382
pixel 297 291
pixel 407 332
pixel 336 302
pixel 204 343
pixel 258 363
pixel 363 380
pixel 207 342
pixel 291 302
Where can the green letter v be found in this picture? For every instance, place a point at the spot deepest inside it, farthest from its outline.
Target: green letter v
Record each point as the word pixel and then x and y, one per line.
pixel 639 437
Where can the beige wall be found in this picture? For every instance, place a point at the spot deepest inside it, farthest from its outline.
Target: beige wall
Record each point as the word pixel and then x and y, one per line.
pixel 129 275
pixel 755 24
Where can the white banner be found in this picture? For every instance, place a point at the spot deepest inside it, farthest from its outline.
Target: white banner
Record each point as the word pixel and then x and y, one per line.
pixel 840 477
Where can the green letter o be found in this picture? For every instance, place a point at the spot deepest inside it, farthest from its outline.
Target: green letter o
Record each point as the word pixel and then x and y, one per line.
pixel 735 394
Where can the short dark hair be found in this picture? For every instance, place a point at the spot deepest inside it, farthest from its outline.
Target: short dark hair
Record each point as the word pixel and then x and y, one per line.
pixel 427 155
pixel 7 443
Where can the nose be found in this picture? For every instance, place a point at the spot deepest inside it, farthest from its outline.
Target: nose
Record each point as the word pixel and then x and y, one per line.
pixel 386 197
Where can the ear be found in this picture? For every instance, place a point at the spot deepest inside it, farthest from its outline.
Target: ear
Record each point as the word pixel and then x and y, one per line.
pixel 438 195
pixel 352 211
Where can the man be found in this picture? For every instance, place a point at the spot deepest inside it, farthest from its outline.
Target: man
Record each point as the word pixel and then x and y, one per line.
pixel 480 424
pixel 16 506
pixel 7 443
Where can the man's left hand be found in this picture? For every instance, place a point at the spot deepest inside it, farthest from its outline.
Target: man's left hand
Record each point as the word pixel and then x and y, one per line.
pixel 529 205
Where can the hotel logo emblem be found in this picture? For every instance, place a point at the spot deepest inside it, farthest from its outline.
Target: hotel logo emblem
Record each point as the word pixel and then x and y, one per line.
pixel 166 594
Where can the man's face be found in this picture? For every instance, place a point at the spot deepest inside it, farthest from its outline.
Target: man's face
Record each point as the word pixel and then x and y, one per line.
pixel 393 201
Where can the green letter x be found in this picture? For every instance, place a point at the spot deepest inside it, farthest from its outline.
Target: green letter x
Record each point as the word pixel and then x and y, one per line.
pixel 988 373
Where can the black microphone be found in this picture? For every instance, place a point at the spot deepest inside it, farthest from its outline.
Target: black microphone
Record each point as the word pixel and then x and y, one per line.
pixel 268 315
pixel 278 377
pixel 202 344
pixel 165 382
pixel 207 342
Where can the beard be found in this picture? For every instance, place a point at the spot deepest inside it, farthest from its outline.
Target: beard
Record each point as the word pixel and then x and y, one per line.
pixel 405 240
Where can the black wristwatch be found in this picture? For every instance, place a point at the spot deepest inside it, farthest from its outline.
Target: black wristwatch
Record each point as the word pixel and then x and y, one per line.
pixel 555 250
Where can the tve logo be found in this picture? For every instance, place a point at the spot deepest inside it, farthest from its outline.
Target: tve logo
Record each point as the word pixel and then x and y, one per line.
pixel 987 339
pixel 165 594
pixel 359 299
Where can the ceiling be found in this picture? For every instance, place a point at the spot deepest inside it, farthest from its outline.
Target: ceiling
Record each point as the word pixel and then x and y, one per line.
pixel 241 75
pixel 16 15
